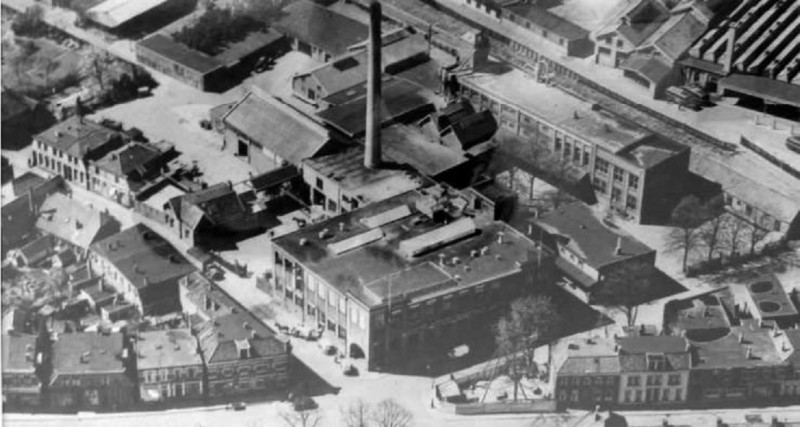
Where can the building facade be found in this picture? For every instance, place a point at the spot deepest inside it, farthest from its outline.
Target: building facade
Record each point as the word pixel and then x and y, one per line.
pixel 22 388
pixel 169 366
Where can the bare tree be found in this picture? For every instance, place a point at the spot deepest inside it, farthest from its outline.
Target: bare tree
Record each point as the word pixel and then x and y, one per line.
pixel 517 334
pixel 627 287
pixel 97 65
pixel 757 230
pixel 710 233
pixel 303 418
pixel 357 414
pixel 389 413
pixel 687 217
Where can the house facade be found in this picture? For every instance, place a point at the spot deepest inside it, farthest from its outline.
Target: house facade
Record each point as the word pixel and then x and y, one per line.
pixel 22 388
pixel 91 371
pixel 169 366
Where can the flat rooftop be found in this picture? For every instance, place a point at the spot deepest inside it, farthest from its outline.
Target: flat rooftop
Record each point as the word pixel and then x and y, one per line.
pixel 88 353
pixel 395 247
pixel 408 144
pixel 591 356
pixel 368 185
pixel 165 349
pixel 557 108
pixel 770 298
pixel 698 313
pixel 731 351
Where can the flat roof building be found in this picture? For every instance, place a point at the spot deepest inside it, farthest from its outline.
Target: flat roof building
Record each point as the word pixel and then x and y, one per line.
pixel 377 276
pixel 172 351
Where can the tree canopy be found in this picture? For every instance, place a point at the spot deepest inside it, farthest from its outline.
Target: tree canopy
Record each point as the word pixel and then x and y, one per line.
pixel 627 287
pixel 219 27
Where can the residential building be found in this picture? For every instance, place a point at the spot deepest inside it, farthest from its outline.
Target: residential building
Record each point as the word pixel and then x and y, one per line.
pixel 68 148
pixel 121 174
pixel 269 134
pixel 91 371
pixel 399 277
pixel 639 174
pixel 751 52
pixel 20 214
pixel 169 366
pixel 654 370
pixel 754 362
pixel 318 31
pixel 32 253
pixel 647 371
pixel 588 249
pixel 142 266
pixel 767 300
pixel 241 354
pixel 589 375
pixel 75 223
pixel 22 388
pixel 7 171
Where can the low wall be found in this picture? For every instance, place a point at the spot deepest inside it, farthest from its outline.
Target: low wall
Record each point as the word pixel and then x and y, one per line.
pixel 507 407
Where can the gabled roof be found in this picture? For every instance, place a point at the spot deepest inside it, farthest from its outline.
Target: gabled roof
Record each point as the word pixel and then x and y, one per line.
pixel 277 127
pixel 84 353
pixel 639 21
pixel 143 257
pixel 651 67
pixel 543 18
pixel 316 25
pixel 113 13
pixel 70 220
pixel 587 236
pixel 77 136
pixel 217 204
pixel 677 35
pixel 133 157
pixel 38 249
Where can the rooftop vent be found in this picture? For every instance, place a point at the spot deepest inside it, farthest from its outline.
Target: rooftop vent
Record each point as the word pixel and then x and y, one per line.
pixel 437 238
pixel 324 234
pixel 303 241
pixel 85 357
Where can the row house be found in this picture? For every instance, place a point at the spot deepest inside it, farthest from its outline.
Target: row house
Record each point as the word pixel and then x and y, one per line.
pixel 648 371
pixel 75 223
pixel 241 355
pixel 638 174
pixel 22 388
pixel 142 266
pixel 122 173
pixel 391 279
pixel 91 371
pixel 169 366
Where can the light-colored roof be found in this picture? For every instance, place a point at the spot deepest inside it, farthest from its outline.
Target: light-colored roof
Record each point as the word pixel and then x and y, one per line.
pixel 113 13
pixel 277 127
pixel 165 349
pixel 70 220
pixel 162 196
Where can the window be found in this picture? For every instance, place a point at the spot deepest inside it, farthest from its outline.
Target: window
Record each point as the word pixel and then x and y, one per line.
pixel 674 379
pixel 776 226
pixel 598 381
pixel 616 194
pixel 331 206
pixel 654 380
pixel 585 156
pixel 748 209
pixel 633 181
pixel 567 150
pixel 576 155
pixel 342 305
pixel 319 183
pixel 620 43
pixel 600 185
pixel 561 41
pixel 619 174
pixel 545 33
pixel 631 202
pixel 331 325
pixel 321 291
pixel 342 332
pixel 602 166
pixel 558 142
pixel 655 362
pixel 628 395
pixel 633 381
pixel 678 394
pixel 638 395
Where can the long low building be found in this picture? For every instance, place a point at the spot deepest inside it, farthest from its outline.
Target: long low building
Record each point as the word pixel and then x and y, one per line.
pixel 397 277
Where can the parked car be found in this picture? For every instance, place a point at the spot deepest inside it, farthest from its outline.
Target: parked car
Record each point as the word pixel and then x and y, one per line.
pixel 793 143
pixel 205 124
pixel 458 351
pixel 237 406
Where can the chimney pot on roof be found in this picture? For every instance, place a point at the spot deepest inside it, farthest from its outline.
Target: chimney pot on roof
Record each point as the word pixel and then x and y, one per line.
pixel 484 250
pixel 500 236
pixel 456 260
pixel 303 241
pixel 441 259
pixel 618 249
pixel 341 226
pixel 474 253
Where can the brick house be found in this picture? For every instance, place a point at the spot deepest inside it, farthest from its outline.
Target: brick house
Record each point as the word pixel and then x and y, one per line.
pixel 169 366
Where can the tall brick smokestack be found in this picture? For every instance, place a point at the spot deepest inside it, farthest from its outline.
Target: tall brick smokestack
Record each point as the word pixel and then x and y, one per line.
pixel 372 142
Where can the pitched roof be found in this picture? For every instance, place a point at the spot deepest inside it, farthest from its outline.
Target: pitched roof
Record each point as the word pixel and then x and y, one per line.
pixel 38 249
pixel 640 20
pixel 543 18
pixel 70 220
pixel 166 348
pixel 77 136
pixel 316 25
pixel 174 51
pixel 653 344
pixel 677 35
pixel 216 203
pixel 651 67
pixel 594 356
pixel 113 13
pixel 143 256
pixel 19 353
pixel 277 127
pixel 87 353
pixel 589 237
pixel 13 104
pixel 25 182
pixel 133 157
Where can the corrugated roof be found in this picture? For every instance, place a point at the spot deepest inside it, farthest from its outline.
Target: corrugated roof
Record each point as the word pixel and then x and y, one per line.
pixel 277 127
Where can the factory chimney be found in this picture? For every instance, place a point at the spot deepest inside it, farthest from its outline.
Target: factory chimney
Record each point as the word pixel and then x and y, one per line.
pixel 372 141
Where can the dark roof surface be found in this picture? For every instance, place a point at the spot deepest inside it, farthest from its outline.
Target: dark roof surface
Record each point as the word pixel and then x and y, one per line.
pixel 653 344
pixel 254 41
pixel 653 68
pixel 399 98
pixel 319 26
pixel 132 157
pixel 77 136
pixel 652 150
pixel 189 58
pixel 26 181
pixel 543 18
pixel 143 256
pixel 591 239
pixel 763 87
